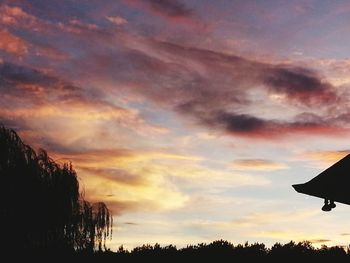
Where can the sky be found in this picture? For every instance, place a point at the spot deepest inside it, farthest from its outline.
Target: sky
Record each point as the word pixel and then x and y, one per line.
pixel 189 119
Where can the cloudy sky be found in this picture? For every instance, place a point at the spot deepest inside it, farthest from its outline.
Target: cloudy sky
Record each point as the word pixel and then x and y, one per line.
pixel 190 119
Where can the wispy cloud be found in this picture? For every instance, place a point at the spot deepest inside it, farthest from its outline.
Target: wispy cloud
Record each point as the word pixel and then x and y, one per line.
pixel 233 77
pixel 258 164
pixel 317 241
pixel 117 20
pixel 170 8
pixel 35 99
pixel 175 11
pixel 270 217
pixel 204 74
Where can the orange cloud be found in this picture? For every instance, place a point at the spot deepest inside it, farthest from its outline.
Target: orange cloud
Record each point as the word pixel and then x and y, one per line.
pixel 258 164
pixel 156 194
pixel 126 181
pixel 325 157
pixel 133 161
pixel 270 217
pixel 74 125
pixel 12 44
pixel 15 16
pixel 69 114
pixel 143 180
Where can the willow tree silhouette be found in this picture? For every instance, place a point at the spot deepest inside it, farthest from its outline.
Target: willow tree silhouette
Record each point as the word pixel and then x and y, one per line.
pixel 41 206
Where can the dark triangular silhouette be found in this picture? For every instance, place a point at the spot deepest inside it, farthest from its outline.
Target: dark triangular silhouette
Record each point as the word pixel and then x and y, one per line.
pixel 333 184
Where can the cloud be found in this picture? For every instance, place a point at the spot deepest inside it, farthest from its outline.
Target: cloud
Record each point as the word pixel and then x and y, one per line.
pixel 115 174
pixel 258 164
pixel 270 217
pixel 192 81
pixel 43 29
pixel 138 156
pixel 322 241
pixel 77 27
pixel 17 79
pixel 171 8
pixel 119 207
pixel 337 70
pixel 174 11
pixel 49 52
pixel 34 100
pixel 300 84
pixel 117 20
pixel 18 75
pixel 204 175
pixel 12 44
pixel 15 19
pixel 130 223
pixel 136 180
pixel 245 125
pixel 130 187
pixel 16 16
pixel 325 157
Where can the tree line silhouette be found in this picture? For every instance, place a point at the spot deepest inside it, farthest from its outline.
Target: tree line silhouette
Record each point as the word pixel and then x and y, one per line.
pixel 224 251
pixel 41 205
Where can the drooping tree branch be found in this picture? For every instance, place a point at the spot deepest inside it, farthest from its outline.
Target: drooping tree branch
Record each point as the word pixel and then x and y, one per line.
pixel 41 205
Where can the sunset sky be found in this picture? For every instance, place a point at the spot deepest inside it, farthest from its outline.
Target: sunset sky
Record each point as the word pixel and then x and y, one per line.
pixel 190 119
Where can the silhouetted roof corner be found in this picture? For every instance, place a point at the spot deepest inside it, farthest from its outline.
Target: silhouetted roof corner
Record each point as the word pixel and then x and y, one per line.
pixel 332 183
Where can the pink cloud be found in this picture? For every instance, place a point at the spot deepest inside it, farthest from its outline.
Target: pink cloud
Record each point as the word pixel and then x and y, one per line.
pixel 173 11
pixel 16 16
pixel 117 20
pixel 12 44
pixel 213 89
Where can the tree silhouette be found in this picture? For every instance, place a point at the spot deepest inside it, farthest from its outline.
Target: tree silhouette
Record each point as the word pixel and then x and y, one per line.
pixel 224 251
pixel 41 205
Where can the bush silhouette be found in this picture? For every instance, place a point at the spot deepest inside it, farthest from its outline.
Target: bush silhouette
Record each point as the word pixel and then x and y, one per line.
pixel 41 205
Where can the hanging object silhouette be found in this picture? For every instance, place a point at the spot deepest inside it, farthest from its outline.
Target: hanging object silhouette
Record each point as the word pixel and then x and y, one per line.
pixel 333 185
